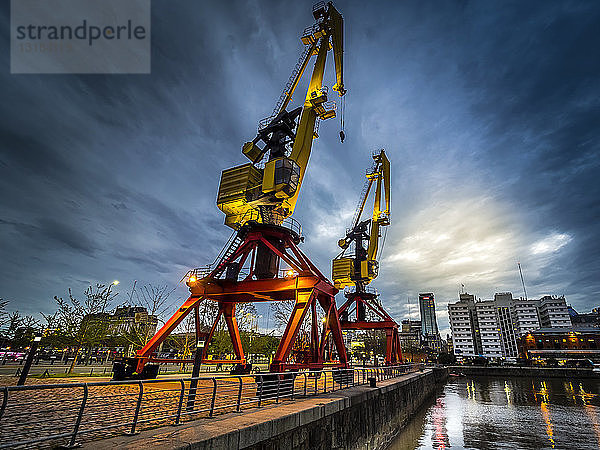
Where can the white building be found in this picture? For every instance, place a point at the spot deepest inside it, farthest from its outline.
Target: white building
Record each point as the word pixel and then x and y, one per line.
pixel 491 328
pixel 526 316
pixel 488 329
pixel 459 315
pixel 553 312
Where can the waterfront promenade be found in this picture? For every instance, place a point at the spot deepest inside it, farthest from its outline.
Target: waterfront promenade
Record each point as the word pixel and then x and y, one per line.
pixel 51 414
pixel 357 417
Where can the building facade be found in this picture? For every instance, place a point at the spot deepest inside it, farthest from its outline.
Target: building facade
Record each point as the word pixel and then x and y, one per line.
pixel 561 344
pixel 585 320
pixel 487 336
pixel 428 317
pixel 429 328
pixel 410 334
pixel 492 328
pixel 554 312
pixel 460 315
pixel 124 320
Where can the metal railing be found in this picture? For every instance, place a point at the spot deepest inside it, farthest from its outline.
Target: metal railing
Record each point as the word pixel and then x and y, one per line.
pixel 70 413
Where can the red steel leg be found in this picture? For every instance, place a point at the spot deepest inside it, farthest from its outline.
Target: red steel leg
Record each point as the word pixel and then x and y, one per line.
pixel 234 332
pixel 175 320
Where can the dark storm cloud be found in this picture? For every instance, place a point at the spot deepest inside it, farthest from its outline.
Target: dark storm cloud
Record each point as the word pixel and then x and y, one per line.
pixel 540 97
pixel 66 235
pixel 488 111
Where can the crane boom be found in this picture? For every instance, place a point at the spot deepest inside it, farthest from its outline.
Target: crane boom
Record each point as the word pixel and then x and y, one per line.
pixel 266 190
pixel 361 268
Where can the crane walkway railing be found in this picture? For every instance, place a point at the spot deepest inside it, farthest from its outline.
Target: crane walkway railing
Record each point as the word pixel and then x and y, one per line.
pixel 51 415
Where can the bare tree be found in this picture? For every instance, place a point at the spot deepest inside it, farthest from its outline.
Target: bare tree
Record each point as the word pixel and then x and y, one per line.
pixel 84 323
pixel 282 311
pixel 154 298
pixel 51 322
pixel 245 314
pixel 185 339
pixel 14 321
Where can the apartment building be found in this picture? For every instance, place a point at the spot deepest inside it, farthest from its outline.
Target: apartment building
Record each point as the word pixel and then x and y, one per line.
pixel 526 317
pixel 460 315
pixel 489 336
pixel 554 312
pixel 492 328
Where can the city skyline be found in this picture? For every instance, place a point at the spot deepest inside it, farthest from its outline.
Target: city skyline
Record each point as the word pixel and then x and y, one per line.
pixel 491 138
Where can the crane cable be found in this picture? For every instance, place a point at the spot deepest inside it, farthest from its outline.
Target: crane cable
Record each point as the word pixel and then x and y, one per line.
pixel 343 108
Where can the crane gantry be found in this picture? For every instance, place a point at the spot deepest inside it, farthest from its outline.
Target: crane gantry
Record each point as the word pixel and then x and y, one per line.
pixel 262 261
pixel 359 267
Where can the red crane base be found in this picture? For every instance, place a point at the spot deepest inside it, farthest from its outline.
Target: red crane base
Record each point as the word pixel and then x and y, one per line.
pixel 362 301
pixel 308 287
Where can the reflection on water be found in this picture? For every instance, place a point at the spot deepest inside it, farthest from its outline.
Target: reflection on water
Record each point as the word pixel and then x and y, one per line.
pixel 520 413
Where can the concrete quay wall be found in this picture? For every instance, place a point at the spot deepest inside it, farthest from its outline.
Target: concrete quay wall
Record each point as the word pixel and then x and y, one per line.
pixel 355 418
pixel 364 420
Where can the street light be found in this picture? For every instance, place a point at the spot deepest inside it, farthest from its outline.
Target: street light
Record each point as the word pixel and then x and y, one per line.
pixel 115 282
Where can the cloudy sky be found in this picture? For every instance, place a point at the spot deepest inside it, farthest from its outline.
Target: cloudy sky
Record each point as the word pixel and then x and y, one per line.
pixel 489 112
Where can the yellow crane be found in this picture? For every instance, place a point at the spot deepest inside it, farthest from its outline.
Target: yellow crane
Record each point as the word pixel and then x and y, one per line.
pixel 266 189
pixel 362 267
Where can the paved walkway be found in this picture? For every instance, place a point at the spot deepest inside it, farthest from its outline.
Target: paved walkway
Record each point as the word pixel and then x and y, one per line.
pixel 240 430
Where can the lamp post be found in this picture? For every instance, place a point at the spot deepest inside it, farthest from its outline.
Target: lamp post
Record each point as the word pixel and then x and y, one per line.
pixel 32 349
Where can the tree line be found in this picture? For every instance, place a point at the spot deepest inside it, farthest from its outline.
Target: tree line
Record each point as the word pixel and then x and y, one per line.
pixel 87 322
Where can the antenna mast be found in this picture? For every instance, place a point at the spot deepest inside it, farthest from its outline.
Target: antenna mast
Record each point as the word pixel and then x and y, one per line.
pixel 522 281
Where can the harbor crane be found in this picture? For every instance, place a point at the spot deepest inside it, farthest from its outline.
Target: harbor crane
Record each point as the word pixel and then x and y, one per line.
pixel 262 260
pixel 357 265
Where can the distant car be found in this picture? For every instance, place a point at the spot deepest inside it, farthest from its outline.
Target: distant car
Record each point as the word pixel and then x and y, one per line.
pixel 11 356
